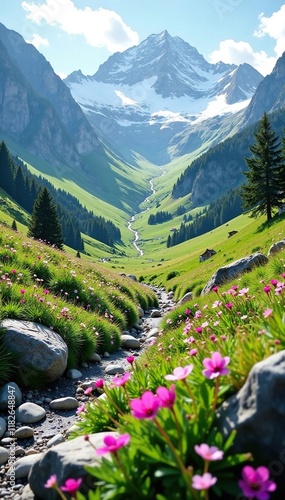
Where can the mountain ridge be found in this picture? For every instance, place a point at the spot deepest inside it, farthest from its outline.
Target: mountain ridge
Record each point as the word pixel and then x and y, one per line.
pixel 161 88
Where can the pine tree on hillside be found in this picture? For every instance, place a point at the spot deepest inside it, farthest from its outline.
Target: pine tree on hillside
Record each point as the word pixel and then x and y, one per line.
pixel 263 191
pixel 44 223
pixel 6 170
pixel 20 189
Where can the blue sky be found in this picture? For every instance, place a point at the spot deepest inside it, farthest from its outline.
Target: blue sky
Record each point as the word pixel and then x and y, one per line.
pixel 82 34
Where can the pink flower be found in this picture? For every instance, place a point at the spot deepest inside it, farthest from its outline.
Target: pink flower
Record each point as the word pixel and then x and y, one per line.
pixel 274 282
pixel 99 383
pixel 229 305
pixel 188 311
pixel 268 312
pixel 203 482
pixel 193 352
pixel 166 397
pixel 80 409
pixel 198 329
pixel 14 271
pixel 216 365
pixel 180 373
pixel 130 359
pixel 146 406
pixel 120 381
pixel 255 483
pixel 209 453
pixel 112 444
pixel 51 482
pixel 88 390
pixel 215 289
pixel 22 291
pixel 267 289
pixel 71 486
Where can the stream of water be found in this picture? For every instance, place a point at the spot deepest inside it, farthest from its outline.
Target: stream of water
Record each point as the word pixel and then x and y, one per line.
pixel 130 222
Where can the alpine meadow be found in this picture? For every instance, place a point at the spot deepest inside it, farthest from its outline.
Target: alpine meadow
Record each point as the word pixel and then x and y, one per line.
pixel 142 256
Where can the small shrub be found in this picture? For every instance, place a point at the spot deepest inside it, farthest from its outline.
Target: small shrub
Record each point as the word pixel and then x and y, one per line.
pixel 172 275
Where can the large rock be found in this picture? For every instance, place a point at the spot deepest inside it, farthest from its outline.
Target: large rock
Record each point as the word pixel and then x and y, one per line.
pixel 66 460
pixel 233 270
pixel 276 247
pixel 257 412
pixel 39 349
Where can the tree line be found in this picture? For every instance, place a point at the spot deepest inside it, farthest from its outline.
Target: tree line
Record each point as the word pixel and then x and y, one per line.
pixel 217 213
pixel 159 218
pixel 75 219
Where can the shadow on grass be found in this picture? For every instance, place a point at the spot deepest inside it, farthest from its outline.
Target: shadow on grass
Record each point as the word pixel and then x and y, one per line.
pixel 268 224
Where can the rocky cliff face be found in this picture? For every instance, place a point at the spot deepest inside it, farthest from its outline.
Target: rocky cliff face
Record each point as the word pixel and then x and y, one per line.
pixel 269 95
pixel 38 107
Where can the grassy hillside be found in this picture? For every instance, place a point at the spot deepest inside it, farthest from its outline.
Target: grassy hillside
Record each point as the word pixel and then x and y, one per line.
pixel 88 305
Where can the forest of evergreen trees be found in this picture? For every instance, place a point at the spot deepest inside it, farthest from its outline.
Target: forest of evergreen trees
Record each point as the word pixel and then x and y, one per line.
pixel 24 188
pixel 159 217
pixel 219 212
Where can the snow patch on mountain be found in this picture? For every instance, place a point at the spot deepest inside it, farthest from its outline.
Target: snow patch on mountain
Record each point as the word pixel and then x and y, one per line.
pixel 159 93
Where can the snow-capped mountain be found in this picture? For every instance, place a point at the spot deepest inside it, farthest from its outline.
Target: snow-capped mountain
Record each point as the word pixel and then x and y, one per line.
pixel 153 97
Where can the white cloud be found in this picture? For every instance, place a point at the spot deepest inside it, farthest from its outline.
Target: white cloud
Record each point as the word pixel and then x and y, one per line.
pixel 100 28
pixel 238 52
pixel 232 52
pixel 274 26
pixel 38 40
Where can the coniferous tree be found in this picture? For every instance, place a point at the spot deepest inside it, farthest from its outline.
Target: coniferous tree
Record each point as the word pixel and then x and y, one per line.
pixel 20 193
pixel 45 223
pixel 14 226
pixel 262 193
pixel 6 170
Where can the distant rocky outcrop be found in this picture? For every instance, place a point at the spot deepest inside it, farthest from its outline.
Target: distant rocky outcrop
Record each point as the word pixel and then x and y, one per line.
pixel 269 95
pixel 227 273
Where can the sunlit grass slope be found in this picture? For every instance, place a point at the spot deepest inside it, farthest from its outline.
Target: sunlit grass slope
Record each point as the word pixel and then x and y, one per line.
pixel 87 304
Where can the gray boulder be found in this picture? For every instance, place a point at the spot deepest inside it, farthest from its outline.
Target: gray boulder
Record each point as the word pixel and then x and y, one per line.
pixel 129 342
pixel 22 466
pixel 29 413
pixel 39 349
pixel 65 403
pixel 276 247
pixel 186 298
pixel 66 460
pixel 233 270
pixel 12 393
pixel 257 412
